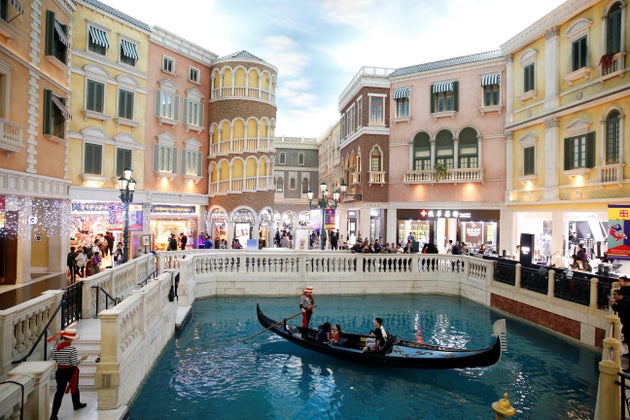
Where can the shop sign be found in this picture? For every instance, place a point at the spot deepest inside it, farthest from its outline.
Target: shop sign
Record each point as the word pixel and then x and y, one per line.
pixel 90 207
pixel 618 225
pixel 168 209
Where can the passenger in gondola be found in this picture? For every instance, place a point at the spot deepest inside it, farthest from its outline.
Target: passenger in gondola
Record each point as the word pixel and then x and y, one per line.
pixel 322 332
pixel 333 335
pixel 378 337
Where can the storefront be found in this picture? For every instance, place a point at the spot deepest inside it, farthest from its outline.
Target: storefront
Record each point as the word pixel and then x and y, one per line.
pixel 168 219
pixel 438 226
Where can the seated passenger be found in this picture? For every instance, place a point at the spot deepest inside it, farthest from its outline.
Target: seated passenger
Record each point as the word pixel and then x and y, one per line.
pixel 322 332
pixel 333 335
pixel 378 337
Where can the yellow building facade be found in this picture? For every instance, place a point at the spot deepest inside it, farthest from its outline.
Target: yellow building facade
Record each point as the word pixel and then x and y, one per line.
pixel 565 126
pixel 109 107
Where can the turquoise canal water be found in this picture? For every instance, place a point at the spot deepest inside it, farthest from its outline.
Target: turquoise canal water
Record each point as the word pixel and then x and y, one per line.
pixel 205 373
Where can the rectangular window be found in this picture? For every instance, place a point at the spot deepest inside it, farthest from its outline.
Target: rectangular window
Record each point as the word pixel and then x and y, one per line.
pixel 579 56
pixel 191 163
pixel 529 161
pixel 193 113
pixel 93 159
pixel 193 74
pixel 55 115
pixel 168 64
pixel 123 161
pixel 125 104
pixel 166 105
pixel 377 116
pixel 95 96
pixel 57 42
pixel 491 95
pixel 444 97
pixel 579 151
pixel 97 40
pixel 128 52
pixel 422 160
pixel 301 159
pixel 529 77
pixel 402 108
pixel 164 158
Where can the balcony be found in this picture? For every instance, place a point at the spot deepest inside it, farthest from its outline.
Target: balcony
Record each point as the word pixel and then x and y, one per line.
pixel 240 185
pixel 455 175
pixel 611 174
pixel 11 136
pixel 377 177
pixel 240 146
pixel 611 65
pixel 236 92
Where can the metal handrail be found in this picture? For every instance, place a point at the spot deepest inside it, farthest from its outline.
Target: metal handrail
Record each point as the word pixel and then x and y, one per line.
pixel 8 381
pixel 107 298
pixel 44 334
pixel 625 402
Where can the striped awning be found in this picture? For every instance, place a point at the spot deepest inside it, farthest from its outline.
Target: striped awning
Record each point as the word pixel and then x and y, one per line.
pixel 129 49
pixel 490 79
pixel 440 87
pixel 62 34
pixel 66 114
pixel 17 5
pixel 99 37
pixel 401 93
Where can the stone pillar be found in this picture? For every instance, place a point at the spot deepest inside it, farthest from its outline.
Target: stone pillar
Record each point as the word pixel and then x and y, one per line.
pixel 35 376
pixel 609 393
pixel 107 376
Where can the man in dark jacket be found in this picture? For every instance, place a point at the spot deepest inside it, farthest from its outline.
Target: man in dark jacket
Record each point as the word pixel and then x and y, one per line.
pixel 621 305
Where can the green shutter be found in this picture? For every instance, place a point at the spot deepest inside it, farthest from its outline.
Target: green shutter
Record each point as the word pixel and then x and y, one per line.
pixel 432 99
pixel 567 154
pixel 50 32
pixel 186 117
pixel 175 155
pixel 201 122
pixel 456 96
pixel 48 115
pixel 176 113
pixel 199 170
pixel 590 150
pixel 158 95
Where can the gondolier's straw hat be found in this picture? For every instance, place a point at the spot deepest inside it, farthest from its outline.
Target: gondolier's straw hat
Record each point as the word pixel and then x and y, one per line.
pixel 308 290
pixel 70 334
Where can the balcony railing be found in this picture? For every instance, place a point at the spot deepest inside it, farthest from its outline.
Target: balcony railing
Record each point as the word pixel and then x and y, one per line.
pixel 612 65
pixel 239 185
pixel 355 178
pixel 239 146
pixel 611 173
pixel 231 92
pixel 377 177
pixel 11 136
pixel 452 175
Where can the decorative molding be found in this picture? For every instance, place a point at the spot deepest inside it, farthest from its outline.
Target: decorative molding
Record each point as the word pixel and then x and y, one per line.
pixel 25 184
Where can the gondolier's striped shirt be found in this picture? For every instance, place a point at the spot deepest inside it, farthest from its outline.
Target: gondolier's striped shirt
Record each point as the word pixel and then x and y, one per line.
pixel 66 357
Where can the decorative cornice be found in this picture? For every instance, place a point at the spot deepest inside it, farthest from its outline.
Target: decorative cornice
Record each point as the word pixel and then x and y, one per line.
pixel 182 46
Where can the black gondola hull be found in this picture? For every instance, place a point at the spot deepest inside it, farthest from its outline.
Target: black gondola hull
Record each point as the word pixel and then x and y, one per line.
pixel 397 353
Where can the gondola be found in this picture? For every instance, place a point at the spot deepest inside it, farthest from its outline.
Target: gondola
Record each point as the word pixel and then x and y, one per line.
pixel 395 353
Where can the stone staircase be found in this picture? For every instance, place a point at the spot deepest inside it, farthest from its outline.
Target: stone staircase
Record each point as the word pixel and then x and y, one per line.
pixel 88 343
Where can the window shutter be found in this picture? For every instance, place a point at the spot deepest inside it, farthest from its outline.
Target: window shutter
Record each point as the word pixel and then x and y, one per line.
pixel 185 155
pixel 158 97
pixel 176 112
pixel 432 98
pixel 186 108
pixel 199 170
pixel 567 154
pixel 590 150
pixel 175 155
pixel 200 119
pixel 156 157
pixel 456 96
pixel 119 162
pixel 50 32
pixel 47 111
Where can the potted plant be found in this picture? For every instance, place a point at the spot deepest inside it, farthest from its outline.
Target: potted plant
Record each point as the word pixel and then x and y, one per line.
pixel 440 171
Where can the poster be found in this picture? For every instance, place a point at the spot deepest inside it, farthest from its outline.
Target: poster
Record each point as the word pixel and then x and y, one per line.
pixel 618 225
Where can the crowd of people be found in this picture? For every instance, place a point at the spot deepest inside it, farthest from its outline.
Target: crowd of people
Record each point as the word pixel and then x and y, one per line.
pixel 85 260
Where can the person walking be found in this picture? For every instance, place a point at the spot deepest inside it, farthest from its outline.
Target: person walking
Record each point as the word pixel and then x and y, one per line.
pixel 71 262
pixel 307 305
pixel 183 241
pixel 81 259
pixel 67 374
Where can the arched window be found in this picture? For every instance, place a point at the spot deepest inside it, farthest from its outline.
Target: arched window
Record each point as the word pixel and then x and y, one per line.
pixel 282 158
pixel 301 159
pixel 304 185
pixel 279 185
pixel 614 29
pixel 376 160
pixel 612 137
pixel 292 184
pixel 421 152
pixel 444 149
pixel 468 149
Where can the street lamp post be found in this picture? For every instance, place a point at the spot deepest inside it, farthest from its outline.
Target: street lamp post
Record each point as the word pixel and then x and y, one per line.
pixel 126 186
pixel 324 202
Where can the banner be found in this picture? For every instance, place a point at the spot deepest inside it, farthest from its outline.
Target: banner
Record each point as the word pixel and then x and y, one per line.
pixel 329 222
pixel 618 225
pixel 117 217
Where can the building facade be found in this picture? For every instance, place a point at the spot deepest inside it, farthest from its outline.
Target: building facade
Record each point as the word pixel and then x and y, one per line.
pixel 35 57
pixel 565 121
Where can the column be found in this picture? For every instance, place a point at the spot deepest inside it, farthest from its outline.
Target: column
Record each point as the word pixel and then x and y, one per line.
pixel 552 41
pixel 552 160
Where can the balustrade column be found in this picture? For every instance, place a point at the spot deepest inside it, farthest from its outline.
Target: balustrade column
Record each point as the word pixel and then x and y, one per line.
pixel 608 395
pixel 551 283
pixel 517 276
pixel 593 304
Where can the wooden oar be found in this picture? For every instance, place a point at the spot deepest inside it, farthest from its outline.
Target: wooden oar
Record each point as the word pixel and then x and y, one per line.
pixel 270 327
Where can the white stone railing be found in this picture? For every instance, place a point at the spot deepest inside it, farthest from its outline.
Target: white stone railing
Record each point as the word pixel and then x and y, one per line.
pixel 133 334
pixel 26 392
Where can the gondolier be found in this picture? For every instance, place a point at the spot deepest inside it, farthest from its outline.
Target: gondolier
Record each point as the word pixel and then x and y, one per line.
pixel 67 375
pixel 307 305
